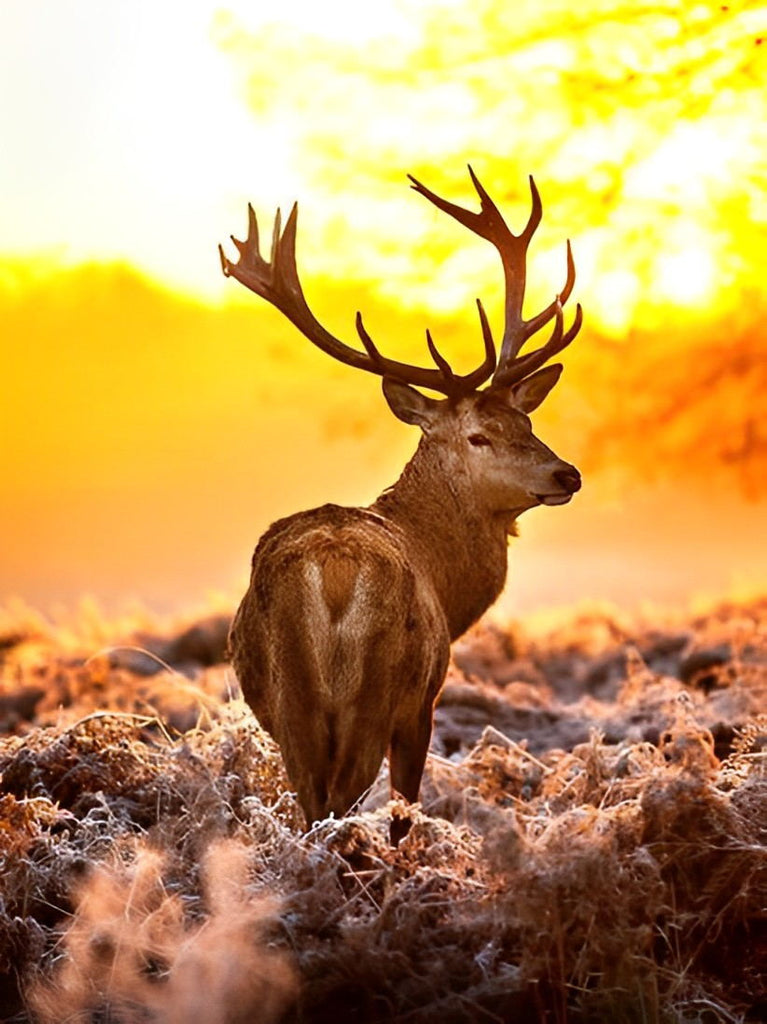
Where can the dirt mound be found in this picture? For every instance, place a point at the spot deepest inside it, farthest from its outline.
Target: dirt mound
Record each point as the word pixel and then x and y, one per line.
pixel 591 844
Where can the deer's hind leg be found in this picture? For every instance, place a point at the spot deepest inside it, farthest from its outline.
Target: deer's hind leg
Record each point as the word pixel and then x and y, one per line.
pixel 407 754
pixel 410 745
pixel 360 749
pixel 412 730
pixel 306 753
pixel 407 758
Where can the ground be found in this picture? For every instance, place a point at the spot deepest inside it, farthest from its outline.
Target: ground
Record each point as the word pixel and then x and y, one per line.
pixel 591 843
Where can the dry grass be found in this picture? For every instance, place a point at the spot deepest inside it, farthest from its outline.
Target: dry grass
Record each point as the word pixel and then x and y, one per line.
pixel 591 845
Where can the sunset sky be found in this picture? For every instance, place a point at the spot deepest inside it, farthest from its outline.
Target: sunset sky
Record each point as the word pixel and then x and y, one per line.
pixel 156 417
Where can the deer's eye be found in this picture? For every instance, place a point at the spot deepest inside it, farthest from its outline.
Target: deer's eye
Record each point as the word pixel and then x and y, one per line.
pixel 479 440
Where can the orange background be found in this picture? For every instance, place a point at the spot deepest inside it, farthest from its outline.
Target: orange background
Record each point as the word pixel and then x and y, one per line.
pixel 155 417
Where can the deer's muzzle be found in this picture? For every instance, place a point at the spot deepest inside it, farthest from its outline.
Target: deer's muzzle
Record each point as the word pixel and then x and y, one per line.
pixel 568 480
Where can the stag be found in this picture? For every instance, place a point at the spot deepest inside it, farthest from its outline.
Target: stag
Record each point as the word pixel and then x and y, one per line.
pixel 342 640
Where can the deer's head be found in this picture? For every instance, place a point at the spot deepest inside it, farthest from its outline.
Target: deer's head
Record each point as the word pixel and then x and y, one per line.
pixel 480 435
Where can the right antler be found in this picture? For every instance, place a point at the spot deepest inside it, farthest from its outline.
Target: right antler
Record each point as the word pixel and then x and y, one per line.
pixel 489 224
pixel 277 281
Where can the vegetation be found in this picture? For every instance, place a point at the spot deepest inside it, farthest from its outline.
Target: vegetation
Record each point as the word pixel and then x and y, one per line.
pixel 591 846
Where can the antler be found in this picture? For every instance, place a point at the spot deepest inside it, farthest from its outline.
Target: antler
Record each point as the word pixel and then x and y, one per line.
pixel 277 281
pixel 489 224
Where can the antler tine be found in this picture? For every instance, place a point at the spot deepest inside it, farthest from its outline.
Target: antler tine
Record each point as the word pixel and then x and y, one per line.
pixel 536 212
pixel 367 341
pixel 480 375
pixel 284 255
pixel 278 282
pixel 438 358
pixel 276 240
pixel 224 261
pixel 249 250
pixel 252 242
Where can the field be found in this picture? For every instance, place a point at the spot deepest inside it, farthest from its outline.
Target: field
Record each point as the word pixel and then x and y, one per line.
pixel 591 845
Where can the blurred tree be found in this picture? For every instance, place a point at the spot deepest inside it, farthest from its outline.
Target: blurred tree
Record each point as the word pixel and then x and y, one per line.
pixel 645 127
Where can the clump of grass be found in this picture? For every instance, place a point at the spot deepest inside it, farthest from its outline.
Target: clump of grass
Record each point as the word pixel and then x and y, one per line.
pixel 134 951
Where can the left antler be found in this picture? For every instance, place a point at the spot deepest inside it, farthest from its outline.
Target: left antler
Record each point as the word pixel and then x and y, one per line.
pixel 277 281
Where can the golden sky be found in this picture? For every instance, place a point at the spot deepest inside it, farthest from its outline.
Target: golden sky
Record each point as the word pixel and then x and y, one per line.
pixel 156 416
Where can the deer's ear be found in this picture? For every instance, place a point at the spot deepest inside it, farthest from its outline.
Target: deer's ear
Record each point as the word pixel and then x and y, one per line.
pixel 530 392
pixel 410 405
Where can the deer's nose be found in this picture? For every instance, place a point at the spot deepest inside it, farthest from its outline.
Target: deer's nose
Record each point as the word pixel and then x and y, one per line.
pixel 569 479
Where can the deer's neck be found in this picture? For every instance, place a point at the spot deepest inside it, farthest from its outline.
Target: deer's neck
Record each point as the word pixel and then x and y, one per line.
pixel 458 545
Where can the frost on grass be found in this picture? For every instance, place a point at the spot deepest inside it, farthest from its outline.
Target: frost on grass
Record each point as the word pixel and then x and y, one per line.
pixel 591 843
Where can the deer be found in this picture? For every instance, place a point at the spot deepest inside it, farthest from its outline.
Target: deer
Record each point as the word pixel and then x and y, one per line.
pixel 341 642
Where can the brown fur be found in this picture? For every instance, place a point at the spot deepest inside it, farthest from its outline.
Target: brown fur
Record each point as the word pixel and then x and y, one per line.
pixel 342 640
pixel 340 573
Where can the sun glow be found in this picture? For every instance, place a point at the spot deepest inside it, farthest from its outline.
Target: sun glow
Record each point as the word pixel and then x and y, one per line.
pixel 686 276
pixel 136 133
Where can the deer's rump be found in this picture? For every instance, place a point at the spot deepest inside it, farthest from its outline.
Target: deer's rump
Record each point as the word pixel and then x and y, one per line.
pixel 337 645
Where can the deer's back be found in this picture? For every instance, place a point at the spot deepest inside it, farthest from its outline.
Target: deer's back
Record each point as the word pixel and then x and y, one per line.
pixel 337 612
